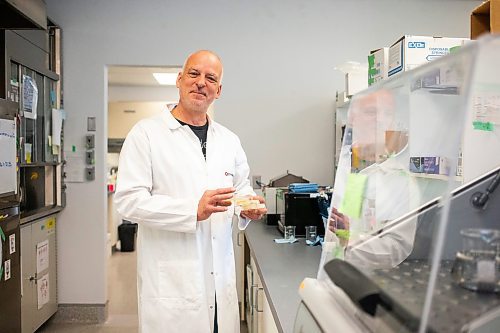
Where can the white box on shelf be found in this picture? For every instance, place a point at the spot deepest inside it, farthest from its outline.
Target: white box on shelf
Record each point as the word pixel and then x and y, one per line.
pixel 378 65
pixel 355 81
pixel 412 51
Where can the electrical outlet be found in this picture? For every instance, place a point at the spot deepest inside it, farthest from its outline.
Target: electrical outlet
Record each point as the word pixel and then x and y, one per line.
pixel 256 185
pixel 90 173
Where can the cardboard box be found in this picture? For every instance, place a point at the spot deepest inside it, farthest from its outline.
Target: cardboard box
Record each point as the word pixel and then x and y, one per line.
pixel 433 165
pixel 485 19
pixel 355 81
pixel 416 165
pixel 378 65
pixel 412 51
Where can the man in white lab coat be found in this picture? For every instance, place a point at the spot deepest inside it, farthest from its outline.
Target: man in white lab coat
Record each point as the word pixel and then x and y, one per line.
pixel 178 191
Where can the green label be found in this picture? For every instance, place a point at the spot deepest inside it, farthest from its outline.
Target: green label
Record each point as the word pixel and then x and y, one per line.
pixel 371 69
pixel 2 235
pixel 479 125
pixel 353 196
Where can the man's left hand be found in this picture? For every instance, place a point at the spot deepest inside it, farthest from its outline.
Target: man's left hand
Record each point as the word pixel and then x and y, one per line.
pixel 255 214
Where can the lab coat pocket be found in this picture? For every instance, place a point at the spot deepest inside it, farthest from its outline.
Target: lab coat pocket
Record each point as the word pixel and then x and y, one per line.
pixel 179 279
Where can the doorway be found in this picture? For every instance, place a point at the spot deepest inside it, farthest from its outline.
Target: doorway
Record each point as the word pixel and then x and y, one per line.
pixel 134 93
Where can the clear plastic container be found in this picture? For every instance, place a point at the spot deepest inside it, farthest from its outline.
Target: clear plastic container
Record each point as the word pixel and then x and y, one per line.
pixel 477 266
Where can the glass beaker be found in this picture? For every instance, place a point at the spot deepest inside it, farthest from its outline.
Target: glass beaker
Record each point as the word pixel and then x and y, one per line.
pixel 311 233
pixel 289 232
pixel 477 266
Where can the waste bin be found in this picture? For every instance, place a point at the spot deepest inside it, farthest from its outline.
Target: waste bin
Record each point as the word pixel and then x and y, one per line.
pixel 126 234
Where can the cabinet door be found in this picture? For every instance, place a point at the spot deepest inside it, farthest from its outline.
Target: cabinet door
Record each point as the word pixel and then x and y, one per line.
pixel 239 257
pixel 44 244
pixel 251 314
pixel 28 280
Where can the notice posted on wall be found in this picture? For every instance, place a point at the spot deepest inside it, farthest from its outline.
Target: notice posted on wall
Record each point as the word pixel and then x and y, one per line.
pixel 43 291
pixel 30 97
pixel 75 164
pixel 486 111
pixel 42 256
pixel 8 175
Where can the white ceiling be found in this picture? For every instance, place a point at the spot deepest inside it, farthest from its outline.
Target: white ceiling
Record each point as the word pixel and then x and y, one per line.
pixel 136 75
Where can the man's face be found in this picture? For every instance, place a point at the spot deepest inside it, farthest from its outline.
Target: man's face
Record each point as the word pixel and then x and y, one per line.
pixel 199 83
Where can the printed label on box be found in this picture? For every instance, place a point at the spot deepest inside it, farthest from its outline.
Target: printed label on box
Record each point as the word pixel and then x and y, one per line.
pixel 12 243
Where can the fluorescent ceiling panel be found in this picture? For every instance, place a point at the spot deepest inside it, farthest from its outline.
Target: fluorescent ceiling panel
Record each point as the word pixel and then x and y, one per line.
pixel 167 79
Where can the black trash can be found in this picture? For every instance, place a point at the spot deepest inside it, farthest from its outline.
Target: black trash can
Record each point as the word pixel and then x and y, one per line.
pixel 126 234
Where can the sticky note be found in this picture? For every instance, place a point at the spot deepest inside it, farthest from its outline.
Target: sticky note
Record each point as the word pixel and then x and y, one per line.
pixel 50 224
pixel 353 196
pixel 483 126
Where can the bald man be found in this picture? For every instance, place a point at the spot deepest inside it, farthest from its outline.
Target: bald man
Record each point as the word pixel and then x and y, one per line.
pixel 177 174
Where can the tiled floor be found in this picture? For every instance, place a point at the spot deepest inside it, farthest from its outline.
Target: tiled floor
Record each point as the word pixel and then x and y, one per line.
pixel 122 293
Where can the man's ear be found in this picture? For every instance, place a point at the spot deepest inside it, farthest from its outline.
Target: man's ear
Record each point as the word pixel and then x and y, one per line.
pixel 178 81
pixel 219 90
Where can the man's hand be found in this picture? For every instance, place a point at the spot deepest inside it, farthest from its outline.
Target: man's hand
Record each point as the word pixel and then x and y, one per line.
pixel 214 201
pixel 338 221
pixel 254 214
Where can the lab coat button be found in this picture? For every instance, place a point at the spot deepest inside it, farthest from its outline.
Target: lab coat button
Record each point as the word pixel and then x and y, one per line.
pixel 211 307
pixel 212 273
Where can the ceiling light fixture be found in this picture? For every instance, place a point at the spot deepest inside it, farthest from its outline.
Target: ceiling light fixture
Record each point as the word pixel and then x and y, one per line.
pixel 167 79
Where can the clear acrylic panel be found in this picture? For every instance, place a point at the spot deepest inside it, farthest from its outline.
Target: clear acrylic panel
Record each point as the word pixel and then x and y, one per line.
pixel 396 180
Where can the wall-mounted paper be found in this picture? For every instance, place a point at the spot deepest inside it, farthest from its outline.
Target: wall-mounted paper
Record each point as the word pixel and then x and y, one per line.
pixel 42 256
pixel 75 165
pixel 43 291
pixel 486 111
pixel 57 119
pixel 30 97
pixel 8 175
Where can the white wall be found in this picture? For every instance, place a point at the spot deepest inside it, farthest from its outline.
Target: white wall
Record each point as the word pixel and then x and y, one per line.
pixel 121 122
pixel 142 93
pixel 278 90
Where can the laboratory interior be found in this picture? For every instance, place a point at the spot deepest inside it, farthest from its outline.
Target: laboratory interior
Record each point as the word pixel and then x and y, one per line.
pixel 371 130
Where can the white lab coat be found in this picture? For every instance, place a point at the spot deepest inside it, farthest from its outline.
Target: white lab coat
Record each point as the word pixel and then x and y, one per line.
pixel 182 262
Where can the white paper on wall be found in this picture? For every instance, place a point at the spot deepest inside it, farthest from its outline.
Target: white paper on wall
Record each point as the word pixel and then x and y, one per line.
pixel 42 256
pixel 30 97
pixel 486 108
pixel 57 119
pixel 43 291
pixel 75 164
pixel 8 173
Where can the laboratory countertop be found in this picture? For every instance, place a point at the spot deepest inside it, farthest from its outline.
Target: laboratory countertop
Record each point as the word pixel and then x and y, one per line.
pixel 282 267
pixel 33 215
